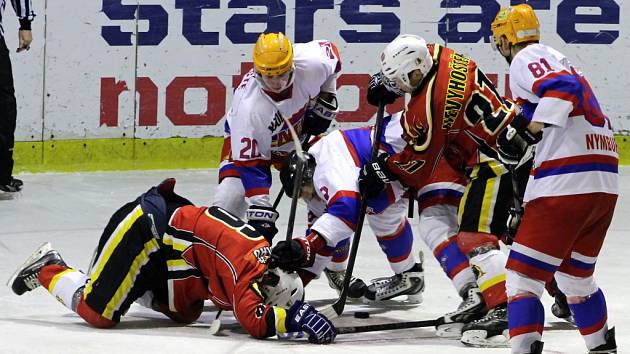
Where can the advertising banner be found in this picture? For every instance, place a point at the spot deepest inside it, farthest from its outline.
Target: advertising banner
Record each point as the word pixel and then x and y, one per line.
pixel 161 69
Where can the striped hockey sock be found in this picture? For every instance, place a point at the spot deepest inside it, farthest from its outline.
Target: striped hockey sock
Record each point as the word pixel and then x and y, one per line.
pixel 526 319
pixel 397 248
pixel 454 263
pixel 591 319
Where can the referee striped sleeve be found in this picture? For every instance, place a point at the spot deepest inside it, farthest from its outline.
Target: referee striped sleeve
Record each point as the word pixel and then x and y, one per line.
pixel 23 9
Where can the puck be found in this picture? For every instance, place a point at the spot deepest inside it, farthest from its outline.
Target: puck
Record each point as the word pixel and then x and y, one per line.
pixel 361 314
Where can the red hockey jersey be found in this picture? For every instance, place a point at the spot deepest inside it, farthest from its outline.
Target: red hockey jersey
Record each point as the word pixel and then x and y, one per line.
pixel 456 113
pixel 212 255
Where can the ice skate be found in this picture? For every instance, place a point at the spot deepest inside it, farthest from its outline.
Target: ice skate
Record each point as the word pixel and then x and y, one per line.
pixel 491 331
pixel 471 308
pixel 410 283
pixel 335 281
pixel 536 347
pixel 25 278
pixel 609 347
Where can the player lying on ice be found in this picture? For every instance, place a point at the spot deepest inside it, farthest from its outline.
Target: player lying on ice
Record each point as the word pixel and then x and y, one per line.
pixel 168 255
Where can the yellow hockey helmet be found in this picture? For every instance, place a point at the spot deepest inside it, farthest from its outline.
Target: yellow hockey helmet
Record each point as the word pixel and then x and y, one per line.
pixel 273 54
pixel 518 24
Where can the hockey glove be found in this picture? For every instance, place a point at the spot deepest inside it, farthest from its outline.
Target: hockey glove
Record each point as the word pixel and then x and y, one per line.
pixel 513 222
pixel 515 144
pixel 294 254
pixel 317 119
pixel 379 92
pixel 303 317
pixel 263 219
pixel 374 176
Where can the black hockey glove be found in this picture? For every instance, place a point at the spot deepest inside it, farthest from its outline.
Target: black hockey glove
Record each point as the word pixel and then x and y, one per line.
pixel 513 222
pixel 379 92
pixel 294 254
pixel 317 118
pixel 515 144
pixel 304 317
pixel 374 176
pixel 263 219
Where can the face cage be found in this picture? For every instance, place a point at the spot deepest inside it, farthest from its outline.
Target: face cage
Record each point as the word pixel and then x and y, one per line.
pixel 263 84
pixel 391 85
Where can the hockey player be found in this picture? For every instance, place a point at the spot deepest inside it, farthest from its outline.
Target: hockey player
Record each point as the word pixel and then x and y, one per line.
pixel 454 112
pixel 572 189
pixel 297 83
pixel 171 256
pixel 331 191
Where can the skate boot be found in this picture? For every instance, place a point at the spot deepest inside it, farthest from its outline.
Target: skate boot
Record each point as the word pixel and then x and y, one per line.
pixel 25 278
pixel 471 308
pixel 491 331
pixel 536 347
pixel 609 347
pixel 560 308
pixel 410 283
pixel 335 280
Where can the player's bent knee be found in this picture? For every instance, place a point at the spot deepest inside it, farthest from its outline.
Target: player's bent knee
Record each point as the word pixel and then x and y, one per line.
pixel 475 243
pixel 436 224
pixel 518 284
pixel 92 317
pixel 573 286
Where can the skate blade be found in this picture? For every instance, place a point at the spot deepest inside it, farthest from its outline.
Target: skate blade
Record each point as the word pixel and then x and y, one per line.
pixel 37 254
pixel 449 330
pixel 478 339
pixel 415 299
pixel 393 303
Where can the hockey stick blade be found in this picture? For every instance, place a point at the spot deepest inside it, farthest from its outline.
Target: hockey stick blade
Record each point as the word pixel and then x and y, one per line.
pixel 386 326
pixel 339 305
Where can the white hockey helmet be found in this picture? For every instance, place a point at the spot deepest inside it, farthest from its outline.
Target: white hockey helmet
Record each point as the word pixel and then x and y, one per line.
pixel 281 288
pixel 404 54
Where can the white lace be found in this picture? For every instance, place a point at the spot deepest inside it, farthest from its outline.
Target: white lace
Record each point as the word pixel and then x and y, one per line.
pixel 391 285
pixel 31 281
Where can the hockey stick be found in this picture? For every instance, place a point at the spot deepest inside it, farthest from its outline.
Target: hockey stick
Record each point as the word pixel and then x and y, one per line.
pixel 386 326
pixel 337 308
pixel 297 182
pixel 278 199
pixel 276 202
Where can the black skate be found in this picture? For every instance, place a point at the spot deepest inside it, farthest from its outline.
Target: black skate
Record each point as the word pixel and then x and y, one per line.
pixel 609 347
pixel 471 308
pixel 491 331
pixel 410 283
pixel 25 278
pixel 14 185
pixel 335 280
pixel 536 347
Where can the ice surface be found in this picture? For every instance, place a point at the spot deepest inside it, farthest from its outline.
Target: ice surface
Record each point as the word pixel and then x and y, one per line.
pixel 70 210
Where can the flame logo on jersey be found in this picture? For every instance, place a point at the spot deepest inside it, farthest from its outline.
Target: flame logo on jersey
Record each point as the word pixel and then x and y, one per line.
pixel 414 132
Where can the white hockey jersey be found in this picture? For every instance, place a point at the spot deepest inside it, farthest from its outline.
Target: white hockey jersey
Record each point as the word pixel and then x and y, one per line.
pixel 255 124
pixel 339 157
pixel 577 153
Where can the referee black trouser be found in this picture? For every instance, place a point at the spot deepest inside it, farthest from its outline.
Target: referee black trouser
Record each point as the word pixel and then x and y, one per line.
pixel 8 114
